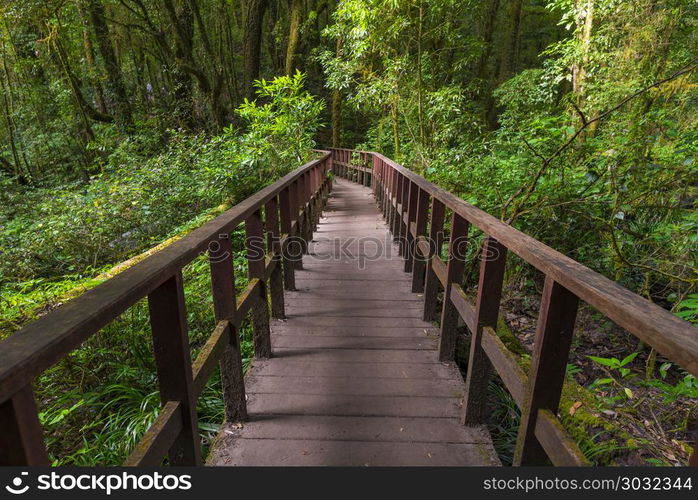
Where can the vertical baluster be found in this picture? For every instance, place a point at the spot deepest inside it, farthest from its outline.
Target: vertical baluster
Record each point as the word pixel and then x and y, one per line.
pixel 297 248
pixel 454 274
pixel 387 197
pixel 374 178
pixel 168 321
pixel 489 295
pixel 419 263
pixel 254 242
pixel 285 202
pixel 558 311
pixel 436 241
pixel 276 280
pixel 21 435
pixel 225 307
pixel 411 217
pixel 404 201
pixel 397 219
pixel 308 210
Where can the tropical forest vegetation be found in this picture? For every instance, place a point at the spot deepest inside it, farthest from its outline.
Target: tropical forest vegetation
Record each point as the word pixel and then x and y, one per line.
pixel 124 124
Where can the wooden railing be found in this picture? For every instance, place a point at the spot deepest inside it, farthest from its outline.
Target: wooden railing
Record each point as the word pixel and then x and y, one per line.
pixel 287 209
pixel 415 212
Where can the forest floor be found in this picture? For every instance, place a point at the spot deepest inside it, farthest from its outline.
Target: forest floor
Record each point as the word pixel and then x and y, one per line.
pixel 641 417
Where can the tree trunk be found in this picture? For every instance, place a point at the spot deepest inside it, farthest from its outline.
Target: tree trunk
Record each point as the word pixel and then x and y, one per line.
pixel 294 29
pixel 100 102
pixel 510 51
pixel 115 80
pixel 252 41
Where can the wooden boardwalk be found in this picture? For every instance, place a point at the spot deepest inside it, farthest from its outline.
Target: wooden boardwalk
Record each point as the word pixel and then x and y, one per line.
pixel 355 377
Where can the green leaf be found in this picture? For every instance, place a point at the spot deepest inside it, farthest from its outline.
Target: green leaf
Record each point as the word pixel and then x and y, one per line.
pixel 629 358
pixel 610 362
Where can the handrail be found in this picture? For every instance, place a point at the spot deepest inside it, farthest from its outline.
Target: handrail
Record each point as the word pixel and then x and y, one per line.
pixel 290 205
pixel 410 203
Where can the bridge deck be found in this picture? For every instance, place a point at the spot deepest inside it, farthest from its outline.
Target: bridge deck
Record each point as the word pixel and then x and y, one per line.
pixel 355 378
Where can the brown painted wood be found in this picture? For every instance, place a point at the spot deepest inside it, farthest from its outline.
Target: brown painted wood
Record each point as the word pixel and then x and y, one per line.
pixel 168 321
pixel 465 308
pixel 436 239
pixel 21 436
pixel 159 438
pixel 560 447
pixel 276 279
pixel 489 294
pixel 454 274
pixel 506 364
pixel 286 225
pixel 256 265
pixel 410 237
pixel 225 309
pixel 421 220
pixel 558 312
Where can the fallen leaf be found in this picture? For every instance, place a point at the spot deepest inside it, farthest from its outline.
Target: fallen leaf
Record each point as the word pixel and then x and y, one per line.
pixel 574 408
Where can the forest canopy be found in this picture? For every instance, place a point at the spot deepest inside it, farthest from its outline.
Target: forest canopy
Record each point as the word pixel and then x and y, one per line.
pixel 127 122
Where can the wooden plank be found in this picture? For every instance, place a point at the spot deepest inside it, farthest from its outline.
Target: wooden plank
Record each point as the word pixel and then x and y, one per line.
pixel 411 216
pixel 356 369
pixel 349 386
pixel 465 308
pixel 265 452
pixel 378 429
pixel 433 280
pixel 292 330
pixel 420 232
pixel 551 347
pixel 168 321
pixel 357 355
pixel 505 362
pixel 256 266
pixel 354 405
pixel 299 341
pixel 489 295
pixel 159 438
pixel 21 438
pixel 276 279
pixel 559 446
pixel 438 266
pixel 210 353
pixel 225 348
pixel 454 274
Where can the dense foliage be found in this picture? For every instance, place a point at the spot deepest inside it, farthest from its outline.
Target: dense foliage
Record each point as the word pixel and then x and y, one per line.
pixel 125 123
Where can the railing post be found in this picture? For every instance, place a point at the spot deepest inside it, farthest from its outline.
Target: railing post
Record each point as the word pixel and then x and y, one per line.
pixel 256 263
pixel 276 280
pixel 404 201
pixel 388 197
pixel 454 274
pixel 436 241
pixel 419 263
pixel 558 311
pixel 397 213
pixel 286 223
pixel 225 307
pixel 168 321
pixel 489 295
pixel 298 215
pixel 21 435
pixel 411 217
